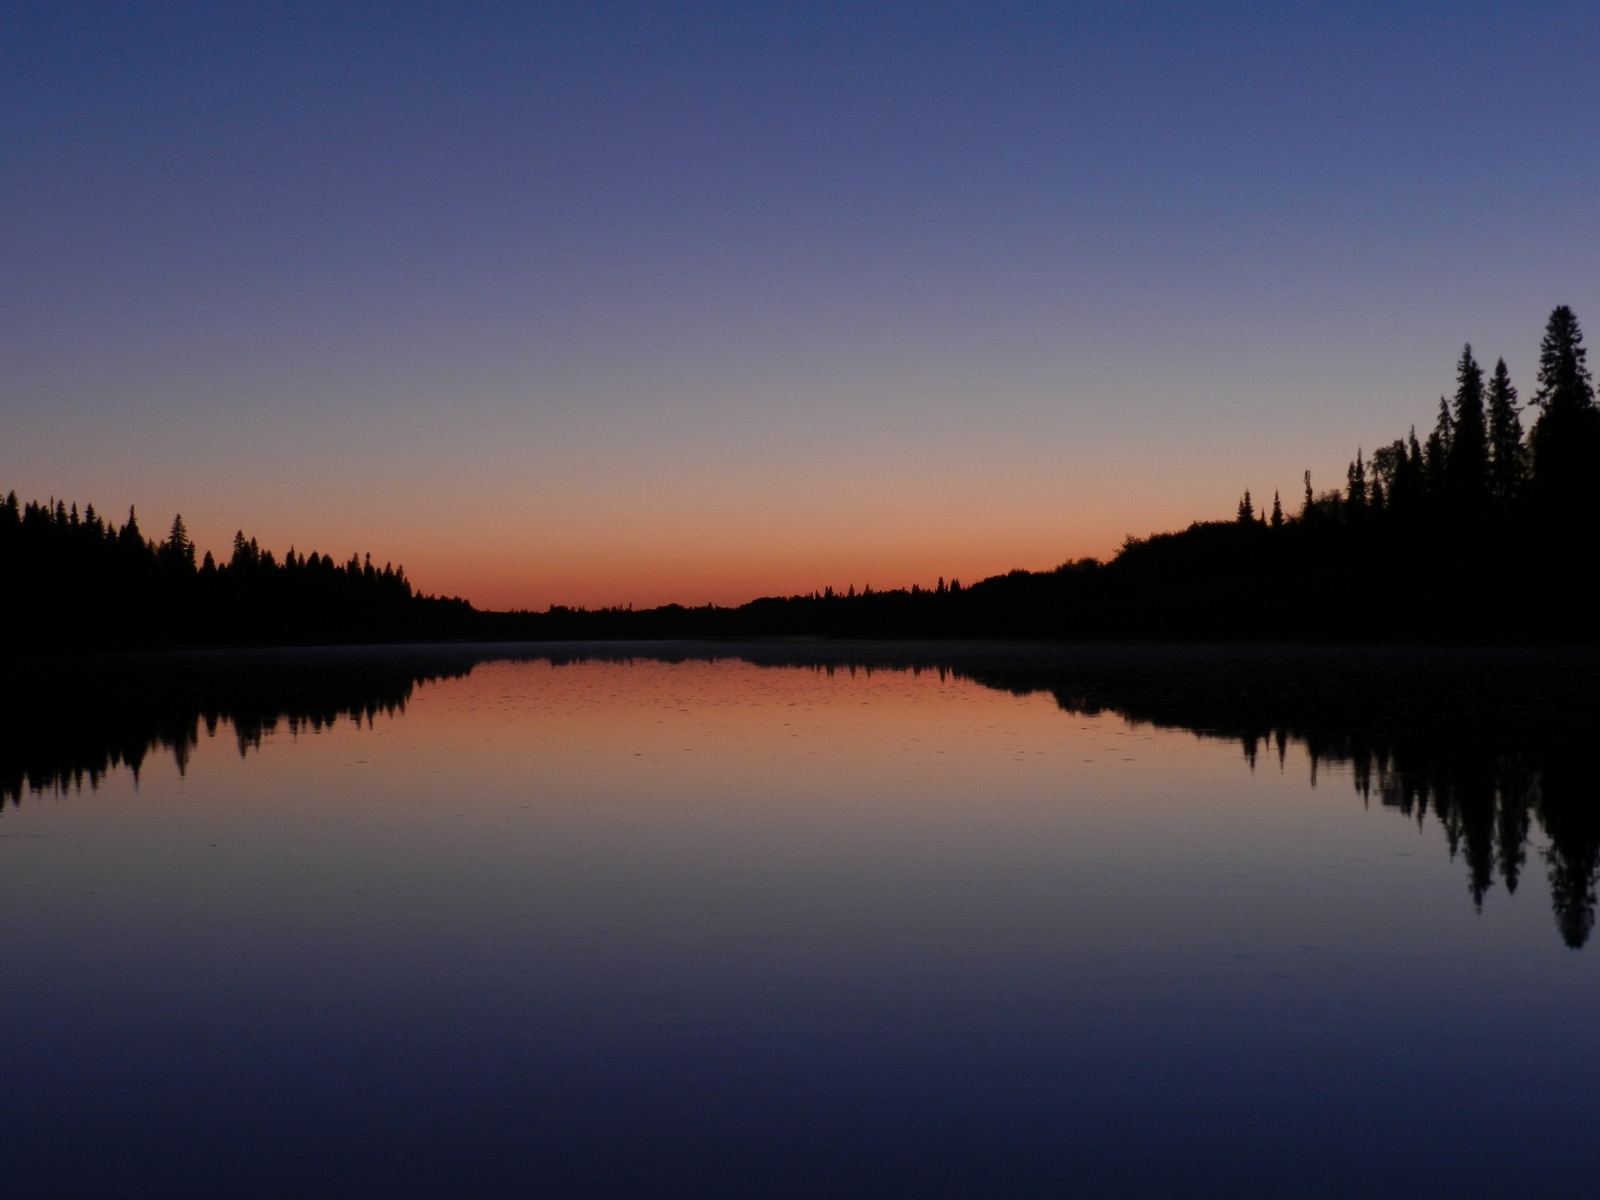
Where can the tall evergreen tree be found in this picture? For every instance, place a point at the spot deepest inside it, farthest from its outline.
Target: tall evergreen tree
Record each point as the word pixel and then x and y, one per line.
pixel 178 551
pixel 1565 437
pixel 1508 457
pixel 1564 381
pixel 1467 460
pixel 1436 452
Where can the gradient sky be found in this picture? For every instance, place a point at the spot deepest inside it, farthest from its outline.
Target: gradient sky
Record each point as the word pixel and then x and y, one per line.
pixel 633 303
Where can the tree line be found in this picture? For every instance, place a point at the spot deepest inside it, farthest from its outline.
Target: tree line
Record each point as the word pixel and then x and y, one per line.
pixel 1478 476
pixel 1486 529
pixel 79 581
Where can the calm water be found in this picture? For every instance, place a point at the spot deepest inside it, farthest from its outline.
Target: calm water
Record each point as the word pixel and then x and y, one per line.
pixel 790 922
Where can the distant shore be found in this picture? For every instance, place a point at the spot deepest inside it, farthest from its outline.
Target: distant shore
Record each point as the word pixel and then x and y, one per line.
pixel 1481 533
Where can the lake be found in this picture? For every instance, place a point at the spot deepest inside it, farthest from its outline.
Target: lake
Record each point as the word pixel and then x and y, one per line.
pixel 801 920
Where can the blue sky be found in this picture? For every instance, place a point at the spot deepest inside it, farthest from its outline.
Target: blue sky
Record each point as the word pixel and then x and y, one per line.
pixel 643 302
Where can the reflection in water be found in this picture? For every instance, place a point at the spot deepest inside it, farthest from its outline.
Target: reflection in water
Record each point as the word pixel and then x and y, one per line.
pixel 1492 743
pixel 70 722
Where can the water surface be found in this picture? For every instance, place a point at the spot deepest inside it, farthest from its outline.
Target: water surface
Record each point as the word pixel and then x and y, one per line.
pixel 800 921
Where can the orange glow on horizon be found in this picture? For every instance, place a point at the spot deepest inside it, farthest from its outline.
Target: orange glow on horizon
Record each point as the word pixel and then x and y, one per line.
pixel 528 568
pixel 692 573
pixel 511 542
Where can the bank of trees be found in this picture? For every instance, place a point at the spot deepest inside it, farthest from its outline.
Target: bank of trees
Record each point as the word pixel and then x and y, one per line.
pixel 1478 471
pixel 77 581
pixel 1486 529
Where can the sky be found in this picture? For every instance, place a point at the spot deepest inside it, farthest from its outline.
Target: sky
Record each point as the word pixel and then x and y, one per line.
pixel 633 303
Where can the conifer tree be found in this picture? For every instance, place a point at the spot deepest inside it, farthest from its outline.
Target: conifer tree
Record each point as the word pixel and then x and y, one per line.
pixel 178 551
pixel 1277 512
pixel 1436 452
pixel 1564 380
pixel 1467 460
pixel 1564 438
pixel 1247 510
pixel 1508 457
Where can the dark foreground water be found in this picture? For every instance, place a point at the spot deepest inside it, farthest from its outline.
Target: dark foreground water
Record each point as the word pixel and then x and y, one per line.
pixel 801 921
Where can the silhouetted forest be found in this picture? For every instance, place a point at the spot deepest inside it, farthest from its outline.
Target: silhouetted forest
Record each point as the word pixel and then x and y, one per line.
pixel 77 581
pixel 1482 530
pixel 1492 745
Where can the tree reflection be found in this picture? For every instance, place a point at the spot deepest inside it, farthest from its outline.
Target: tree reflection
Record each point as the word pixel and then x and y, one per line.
pixel 66 723
pixel 1493 744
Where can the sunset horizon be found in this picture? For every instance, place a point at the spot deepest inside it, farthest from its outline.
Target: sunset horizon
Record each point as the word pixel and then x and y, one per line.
pixel 687 600
pixel 702 308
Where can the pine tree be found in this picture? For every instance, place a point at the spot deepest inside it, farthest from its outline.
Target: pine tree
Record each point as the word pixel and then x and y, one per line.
pixel 1247 510
pixel 178 551
pixel 1277 512
pixel 1565 438
pixel 1508 457
pixel 1436 452
pixel 1467 459
pixel 1564 380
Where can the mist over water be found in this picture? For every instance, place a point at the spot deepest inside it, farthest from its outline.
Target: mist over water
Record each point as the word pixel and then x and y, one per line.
pixel 800 920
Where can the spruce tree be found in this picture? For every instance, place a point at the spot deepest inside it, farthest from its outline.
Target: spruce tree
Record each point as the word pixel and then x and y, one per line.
pixel 1565 437
pixel 1436 452
pixel 1247 510
pixel 1467 458
pixel 178 551
pixel 1508 457
pixel 1564 381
